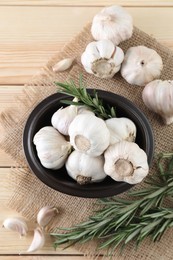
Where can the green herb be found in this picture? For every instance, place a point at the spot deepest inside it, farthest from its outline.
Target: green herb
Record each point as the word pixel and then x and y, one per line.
pixel 84 98
pixel 120 221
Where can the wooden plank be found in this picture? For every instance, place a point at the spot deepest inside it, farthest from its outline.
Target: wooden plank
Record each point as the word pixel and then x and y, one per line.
pixel 57 257
pixel 25 48
pixel 7 99
pixel 86 2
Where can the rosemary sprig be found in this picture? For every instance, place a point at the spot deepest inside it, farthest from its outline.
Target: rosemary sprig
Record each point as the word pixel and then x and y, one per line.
pixel 84 98
pixel 120 221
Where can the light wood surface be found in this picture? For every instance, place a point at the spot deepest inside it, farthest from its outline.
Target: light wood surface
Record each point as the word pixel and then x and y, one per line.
pixel 30 33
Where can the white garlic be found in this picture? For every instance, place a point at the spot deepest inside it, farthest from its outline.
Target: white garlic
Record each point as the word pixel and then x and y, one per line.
pixel 38 240
pixel 45 215
pixel 16 224
pixel 89 134
pixel 85 169
pixel 158 97
pixel 121 129
pixel 126 161
pixel 63 65
pixel 141 65
pixel 63 117
pixel 112 23
pixel 102 58
pixel 52 148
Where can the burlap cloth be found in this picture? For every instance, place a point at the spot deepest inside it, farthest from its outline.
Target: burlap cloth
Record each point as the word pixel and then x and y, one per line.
pixel 27 194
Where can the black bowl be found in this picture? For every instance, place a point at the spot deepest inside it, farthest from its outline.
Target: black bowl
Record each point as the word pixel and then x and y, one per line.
pixel 59 179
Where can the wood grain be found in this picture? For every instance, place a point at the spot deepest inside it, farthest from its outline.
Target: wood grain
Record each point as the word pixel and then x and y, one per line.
pixel 25 48
pixel 86 2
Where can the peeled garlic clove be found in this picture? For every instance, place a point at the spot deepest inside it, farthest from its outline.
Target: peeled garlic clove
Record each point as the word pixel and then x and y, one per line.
pixel 63 65
pixel 121 129
pixel 62 118
pixel 158 97
pixel 85 169
pixel 126 161
pixel 102 59
pixel 45 215
pixel 52 148
pixel 16 224
pixel 112 23
pixel 38 240
pixel 89 134
pixel 141 65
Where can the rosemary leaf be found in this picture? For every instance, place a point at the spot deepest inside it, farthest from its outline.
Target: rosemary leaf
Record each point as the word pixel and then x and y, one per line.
pixel 120 221
pixel 84 98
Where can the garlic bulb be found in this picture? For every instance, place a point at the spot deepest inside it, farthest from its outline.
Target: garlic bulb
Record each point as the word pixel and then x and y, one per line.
pixel 102 58
pixel 62 118
pixel 112 23
pixel 126 161
pixel 16 224
pixel 45 215
pixel 38 241
pixel 85 169
pixel 89 134
pixel 121 129
pixel 52 148
pixel 63 65
pixel 141 65
pixel 158 97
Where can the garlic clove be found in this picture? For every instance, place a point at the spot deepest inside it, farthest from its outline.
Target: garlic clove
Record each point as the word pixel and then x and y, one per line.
pixel 106 49
pixel 118 56
pixel 38 241
pixel 16 224
pixel 45 215
pixel 63 65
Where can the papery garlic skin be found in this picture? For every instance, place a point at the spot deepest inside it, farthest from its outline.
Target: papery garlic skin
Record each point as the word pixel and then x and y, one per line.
pixel 45 215
pixel 112 23
pixel 38 240
pixel 17 225
pixel 85 169
pixel 141 65
pixel 63 117
pixel 121 129
pixel 52 148
pixel 89 134
pixel 158 97
pixel 63 65
pixel 126 161
pixel 102 58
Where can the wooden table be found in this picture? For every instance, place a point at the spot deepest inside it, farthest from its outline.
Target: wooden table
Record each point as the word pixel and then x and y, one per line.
pixel 30 33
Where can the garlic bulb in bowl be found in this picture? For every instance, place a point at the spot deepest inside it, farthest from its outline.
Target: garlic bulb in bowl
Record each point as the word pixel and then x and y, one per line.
pixel 158 97
pixel 141 65
pixel 126 161
pixel 52 148
pixel 112 23
pixel 102 58
pixel 63 117
pixel 89 134
pixel 85 169
pixel 121 129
